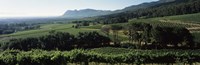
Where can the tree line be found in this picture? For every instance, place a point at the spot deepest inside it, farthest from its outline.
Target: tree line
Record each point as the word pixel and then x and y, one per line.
pixel 81 23
pixel 178 7
pixel 59 41
pixel 142 35
pixel 146 36
pixel 160 36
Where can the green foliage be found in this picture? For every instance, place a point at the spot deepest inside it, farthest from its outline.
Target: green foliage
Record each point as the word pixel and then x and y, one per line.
pixel 44 30
pixel 59 41
pixel 115 29
pixel 91 40
pixel 176 36
pixel 160 36
pixel 82 23
pixel 196 38
pixel 178 7
pixel 100 55
pixel 190 18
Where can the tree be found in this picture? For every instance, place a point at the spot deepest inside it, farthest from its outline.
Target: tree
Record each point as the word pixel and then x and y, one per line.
pixel 85 23
pixel 115 29
pixel 1 31
pixel 134 28
pixel 106 29
pixel 176 36
pixel 184 37
pixel 91 40
pixel 147 33
pixel 157 36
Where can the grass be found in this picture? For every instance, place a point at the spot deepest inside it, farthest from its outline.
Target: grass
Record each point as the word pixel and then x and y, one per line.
pixel 100 25
pixel 190 21
pixel 44 29
pixel 193 18
pixel 158 22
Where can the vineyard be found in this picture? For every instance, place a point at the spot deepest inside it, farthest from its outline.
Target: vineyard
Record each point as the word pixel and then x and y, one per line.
pixel 166 22
pixel 99 55
pixel 142 32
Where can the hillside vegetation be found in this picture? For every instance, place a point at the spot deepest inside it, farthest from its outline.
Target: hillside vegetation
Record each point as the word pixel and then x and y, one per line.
pixel 165 32
pixel 43 30
pixel 177 7
pixel 190 21
pixel 99 56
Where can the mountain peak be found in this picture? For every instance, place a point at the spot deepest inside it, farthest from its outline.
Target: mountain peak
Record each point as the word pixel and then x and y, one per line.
pixel 85 13
pixel 92 12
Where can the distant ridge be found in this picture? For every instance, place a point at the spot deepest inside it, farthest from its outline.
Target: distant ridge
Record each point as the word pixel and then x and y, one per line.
pixel 92 12
pixel 144 5
pixel 85 13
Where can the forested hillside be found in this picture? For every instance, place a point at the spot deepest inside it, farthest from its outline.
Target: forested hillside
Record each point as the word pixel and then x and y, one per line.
pixel 144 5
pixel 177 7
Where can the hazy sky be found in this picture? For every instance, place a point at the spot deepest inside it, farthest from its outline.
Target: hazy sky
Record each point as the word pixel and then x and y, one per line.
pixel 16 8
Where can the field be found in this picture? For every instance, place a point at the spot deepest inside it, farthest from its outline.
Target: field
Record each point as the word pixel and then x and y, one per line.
pixel 44 29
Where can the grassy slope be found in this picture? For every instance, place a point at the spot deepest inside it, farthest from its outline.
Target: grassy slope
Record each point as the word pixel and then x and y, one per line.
pixel 193 18
pixel 44 30
pixel 190 21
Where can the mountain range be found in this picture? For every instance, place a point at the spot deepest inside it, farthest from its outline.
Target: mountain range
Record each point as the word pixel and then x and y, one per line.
pixel 85 13
pixel 92 12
